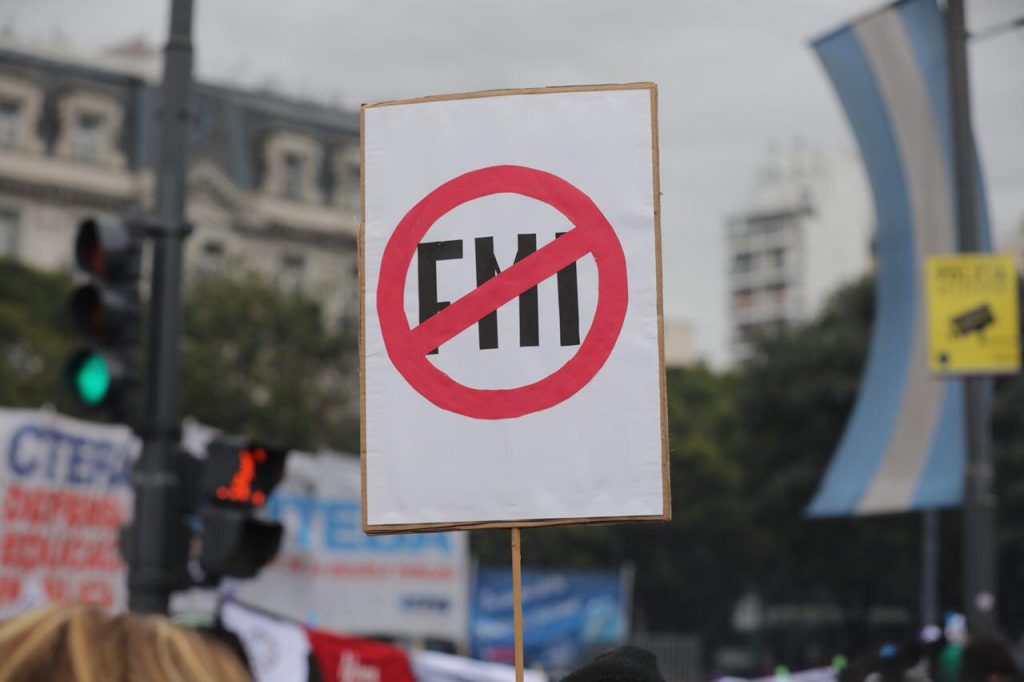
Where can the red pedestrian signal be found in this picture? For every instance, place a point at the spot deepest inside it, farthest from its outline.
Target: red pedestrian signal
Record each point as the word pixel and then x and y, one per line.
pixel 238 478
pixel 240 472
pixel 240 488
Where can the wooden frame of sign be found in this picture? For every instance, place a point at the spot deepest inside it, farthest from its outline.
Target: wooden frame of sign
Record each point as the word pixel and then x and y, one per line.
pixel 515 524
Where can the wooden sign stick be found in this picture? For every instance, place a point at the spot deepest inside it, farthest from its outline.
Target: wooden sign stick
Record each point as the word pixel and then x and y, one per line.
pixel 517 602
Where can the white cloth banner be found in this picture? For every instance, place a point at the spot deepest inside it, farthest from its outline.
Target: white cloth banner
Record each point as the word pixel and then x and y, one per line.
pixel 812 675
pixel 432 666
pixel 330 575
pixel 278 650
pixel 64 493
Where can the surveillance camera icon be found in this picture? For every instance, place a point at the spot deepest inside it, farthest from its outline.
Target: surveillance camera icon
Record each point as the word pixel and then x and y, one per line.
pixel 973 321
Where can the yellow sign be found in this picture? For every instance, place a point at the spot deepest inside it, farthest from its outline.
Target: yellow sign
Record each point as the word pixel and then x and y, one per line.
pixel 973 314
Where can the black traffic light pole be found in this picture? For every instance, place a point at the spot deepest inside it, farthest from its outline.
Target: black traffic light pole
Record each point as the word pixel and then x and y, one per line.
pixel 158 542
pixel 979 500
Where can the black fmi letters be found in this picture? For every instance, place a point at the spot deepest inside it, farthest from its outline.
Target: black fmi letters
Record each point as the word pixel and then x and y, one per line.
pixel 486 268
pixel 429 253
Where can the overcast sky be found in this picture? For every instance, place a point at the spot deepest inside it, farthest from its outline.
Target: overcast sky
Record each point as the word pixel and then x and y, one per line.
pixel 735 76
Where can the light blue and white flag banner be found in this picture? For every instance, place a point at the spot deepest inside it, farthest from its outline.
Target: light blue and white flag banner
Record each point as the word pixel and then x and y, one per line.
pixel 903 448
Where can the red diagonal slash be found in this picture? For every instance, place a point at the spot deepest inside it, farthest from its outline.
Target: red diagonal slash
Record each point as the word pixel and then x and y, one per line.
pixel 499 290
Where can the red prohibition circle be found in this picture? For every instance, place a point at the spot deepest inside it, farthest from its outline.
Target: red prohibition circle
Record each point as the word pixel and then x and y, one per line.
pixel 408 347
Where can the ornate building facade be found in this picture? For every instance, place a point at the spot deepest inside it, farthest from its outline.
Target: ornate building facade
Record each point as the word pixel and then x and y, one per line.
pixel 273 182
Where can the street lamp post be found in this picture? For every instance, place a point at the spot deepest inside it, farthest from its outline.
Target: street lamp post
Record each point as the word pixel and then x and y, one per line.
pixel 158 540
pixel 979 500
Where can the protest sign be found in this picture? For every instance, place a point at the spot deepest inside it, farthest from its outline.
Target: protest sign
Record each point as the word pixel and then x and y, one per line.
pixel 481 412
pixel 65 492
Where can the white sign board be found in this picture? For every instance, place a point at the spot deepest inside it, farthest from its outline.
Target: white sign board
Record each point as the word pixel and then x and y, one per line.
pixel 511 291
pixel 328 573
pixel 65 491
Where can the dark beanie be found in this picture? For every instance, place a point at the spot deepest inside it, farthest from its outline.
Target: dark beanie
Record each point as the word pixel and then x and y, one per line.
pixel 984 656
pixel 625 664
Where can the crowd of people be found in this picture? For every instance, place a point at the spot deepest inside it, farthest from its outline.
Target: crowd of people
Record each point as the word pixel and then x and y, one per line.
pixel 971 659
pixel 85 644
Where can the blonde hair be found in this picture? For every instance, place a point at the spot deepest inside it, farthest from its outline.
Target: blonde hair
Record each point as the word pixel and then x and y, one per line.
pixel 82 644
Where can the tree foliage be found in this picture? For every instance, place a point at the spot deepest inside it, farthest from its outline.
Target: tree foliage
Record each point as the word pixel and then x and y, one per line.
pixel 795 396
pixel 254 360
pixel 35 337
pixel 262 362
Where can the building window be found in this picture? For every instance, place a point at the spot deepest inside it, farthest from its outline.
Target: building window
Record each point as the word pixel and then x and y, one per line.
pixel 8 234
pixel 292 271
pixel 20 104
pixel 293 167
pixel 777 257
pixel 777 293
pixel 739 228
pixel 213 249
pixel 90 129
pixel 346 173
pixel 350 192
pixel 743 299
pixel 87 138
pixel 10 122
pixel 743 262
pixel 768 226
pixel 212 256
pixel 293 176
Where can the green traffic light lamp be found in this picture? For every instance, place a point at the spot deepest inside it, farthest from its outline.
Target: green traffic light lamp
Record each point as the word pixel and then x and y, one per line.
pixel 94 377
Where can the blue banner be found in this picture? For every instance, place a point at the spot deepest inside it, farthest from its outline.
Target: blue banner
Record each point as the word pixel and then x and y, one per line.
pixel 563 612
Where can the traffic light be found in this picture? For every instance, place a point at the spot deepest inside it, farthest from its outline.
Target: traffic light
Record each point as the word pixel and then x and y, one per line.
pixel 238 477
pixel 105 309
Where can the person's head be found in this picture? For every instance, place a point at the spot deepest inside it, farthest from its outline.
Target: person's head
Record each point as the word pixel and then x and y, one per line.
pixel 986 660
pixel 625 664
pixel 83 644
